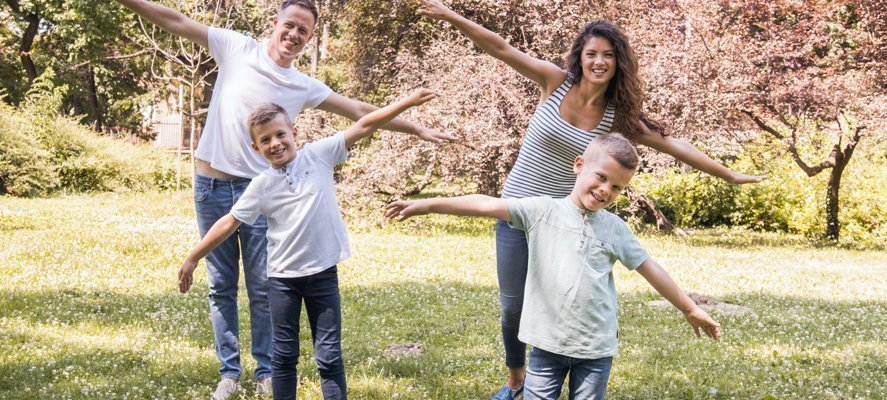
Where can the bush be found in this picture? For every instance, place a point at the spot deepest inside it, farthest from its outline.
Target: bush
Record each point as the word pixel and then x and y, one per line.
pixel 692 199
pixel 40 155
pixel 25 169
pixel 788 200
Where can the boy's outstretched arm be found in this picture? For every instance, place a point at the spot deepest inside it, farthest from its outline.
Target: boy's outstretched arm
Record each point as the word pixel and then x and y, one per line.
pixel 697 317
pixel 353 110
pixel 170 20
pixel 369 123
pixel 221 230
pixel 474 205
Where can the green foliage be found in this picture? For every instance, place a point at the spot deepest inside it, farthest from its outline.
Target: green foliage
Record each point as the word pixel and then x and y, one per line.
pixel 788 200
pixel 41 153
pixel 694 199
pixel 25 169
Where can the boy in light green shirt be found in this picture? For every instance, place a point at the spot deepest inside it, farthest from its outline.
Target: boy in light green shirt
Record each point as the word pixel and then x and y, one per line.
pixel 569 312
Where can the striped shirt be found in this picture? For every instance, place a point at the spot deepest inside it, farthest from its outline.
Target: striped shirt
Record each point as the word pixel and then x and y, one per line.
pixel 544 165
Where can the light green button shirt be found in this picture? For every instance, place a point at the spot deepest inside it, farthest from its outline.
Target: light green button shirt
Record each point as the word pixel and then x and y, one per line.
pixel 570 298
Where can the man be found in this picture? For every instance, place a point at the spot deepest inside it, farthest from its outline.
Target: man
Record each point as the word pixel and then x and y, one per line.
pixel 250 73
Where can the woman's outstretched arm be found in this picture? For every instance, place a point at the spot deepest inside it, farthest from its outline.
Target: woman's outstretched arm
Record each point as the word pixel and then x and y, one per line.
pixel 689 154
pixel 547 75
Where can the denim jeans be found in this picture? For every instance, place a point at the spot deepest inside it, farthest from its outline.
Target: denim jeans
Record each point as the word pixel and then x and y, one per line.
pixel 512 256
pixel 323 305
pixel 213 199
pixel 546 373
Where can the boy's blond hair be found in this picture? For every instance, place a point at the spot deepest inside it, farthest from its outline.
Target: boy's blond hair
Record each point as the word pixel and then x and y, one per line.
pixel 263 114
pixel 616 146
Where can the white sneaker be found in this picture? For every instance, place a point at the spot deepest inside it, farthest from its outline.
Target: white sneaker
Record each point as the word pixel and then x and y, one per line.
pixel 227 387
pixel 264 388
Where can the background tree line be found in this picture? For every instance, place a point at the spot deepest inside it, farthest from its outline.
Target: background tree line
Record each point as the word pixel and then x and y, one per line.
pixel 791 89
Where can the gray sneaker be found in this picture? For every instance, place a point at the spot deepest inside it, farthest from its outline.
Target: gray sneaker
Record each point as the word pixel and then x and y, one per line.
pixel 227 388
pixel 264 388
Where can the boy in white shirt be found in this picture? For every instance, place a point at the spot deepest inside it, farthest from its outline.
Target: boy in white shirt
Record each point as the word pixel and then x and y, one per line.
pixel 569 315
pixel 306 237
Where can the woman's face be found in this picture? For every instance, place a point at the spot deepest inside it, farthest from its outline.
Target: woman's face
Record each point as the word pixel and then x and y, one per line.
pixel 598 60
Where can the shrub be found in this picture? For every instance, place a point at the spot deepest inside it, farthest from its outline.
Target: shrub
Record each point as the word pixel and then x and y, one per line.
pixel 40 155
pixel 25 168
pixel 691 199
pixel 788 200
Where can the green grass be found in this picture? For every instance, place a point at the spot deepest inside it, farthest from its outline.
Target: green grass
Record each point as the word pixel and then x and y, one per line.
pixel 89 310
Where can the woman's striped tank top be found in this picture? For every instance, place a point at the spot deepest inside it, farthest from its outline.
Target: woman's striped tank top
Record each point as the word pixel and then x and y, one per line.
pixel 544 164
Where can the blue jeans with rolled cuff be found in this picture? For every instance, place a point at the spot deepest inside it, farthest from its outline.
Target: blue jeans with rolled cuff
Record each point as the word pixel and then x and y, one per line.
pixel 213 199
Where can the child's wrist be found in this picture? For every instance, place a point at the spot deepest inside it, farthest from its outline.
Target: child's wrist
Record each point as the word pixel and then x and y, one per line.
pixel 689 309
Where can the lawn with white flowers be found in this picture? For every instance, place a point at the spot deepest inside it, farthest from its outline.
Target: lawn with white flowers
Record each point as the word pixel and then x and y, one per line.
pixel 89 309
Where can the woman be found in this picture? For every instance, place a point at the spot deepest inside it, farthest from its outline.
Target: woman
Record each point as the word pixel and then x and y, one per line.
pixel 599 91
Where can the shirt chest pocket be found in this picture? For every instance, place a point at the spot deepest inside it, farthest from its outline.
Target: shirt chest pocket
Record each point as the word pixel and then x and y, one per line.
pixel 305 181
pixel 598 256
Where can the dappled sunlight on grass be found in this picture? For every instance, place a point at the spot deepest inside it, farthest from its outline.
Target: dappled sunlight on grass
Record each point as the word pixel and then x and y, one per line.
pixel 89 309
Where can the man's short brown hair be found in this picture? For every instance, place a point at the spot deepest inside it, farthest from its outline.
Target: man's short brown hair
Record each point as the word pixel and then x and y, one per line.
pixel 306 4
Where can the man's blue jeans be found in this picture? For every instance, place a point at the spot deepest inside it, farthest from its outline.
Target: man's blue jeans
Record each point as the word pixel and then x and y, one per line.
pixel 512 256
pixel 213 199
pixel 547 371
pixel 320 292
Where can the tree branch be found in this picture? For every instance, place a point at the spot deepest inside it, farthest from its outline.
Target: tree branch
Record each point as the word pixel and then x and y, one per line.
pixel 793 149
pixel 114 58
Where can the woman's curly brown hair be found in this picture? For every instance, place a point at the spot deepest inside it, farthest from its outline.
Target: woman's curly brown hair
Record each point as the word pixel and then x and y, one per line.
pixel 626 90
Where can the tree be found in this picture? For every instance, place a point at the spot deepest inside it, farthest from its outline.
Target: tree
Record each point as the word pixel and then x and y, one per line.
pixel 797 70
pixel 103 71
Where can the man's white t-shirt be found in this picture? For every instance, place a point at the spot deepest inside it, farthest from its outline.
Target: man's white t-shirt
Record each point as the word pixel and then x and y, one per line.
pixel 247 78
pixel 306 234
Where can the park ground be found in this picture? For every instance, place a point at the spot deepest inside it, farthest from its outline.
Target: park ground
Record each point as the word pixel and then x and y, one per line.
pixel 89 309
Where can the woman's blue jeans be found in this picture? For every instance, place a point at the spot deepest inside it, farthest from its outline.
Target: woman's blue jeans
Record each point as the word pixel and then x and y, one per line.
pixel 547 371
pixel 512 256
pixel 213 199
pixel 323 305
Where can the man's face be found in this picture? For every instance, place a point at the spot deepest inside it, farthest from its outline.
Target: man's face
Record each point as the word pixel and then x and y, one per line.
pixel 293 28
pixel 600 181
pixel 275 141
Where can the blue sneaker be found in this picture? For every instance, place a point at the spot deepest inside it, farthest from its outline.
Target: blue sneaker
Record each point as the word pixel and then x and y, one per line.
pixel 507 393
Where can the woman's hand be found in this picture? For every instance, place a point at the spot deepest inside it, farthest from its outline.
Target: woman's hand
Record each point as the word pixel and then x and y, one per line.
pixel 435 9
pixel 740 179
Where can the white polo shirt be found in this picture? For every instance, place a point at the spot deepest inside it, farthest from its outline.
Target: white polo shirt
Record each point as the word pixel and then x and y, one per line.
pixel 306 234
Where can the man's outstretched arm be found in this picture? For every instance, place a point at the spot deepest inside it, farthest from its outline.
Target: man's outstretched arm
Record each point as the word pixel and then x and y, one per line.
pixel 169 20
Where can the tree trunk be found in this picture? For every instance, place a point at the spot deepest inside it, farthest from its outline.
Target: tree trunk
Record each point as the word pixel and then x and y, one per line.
pixel 92 100
pixel 27 42
pixel 832 224
pixel 640 201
